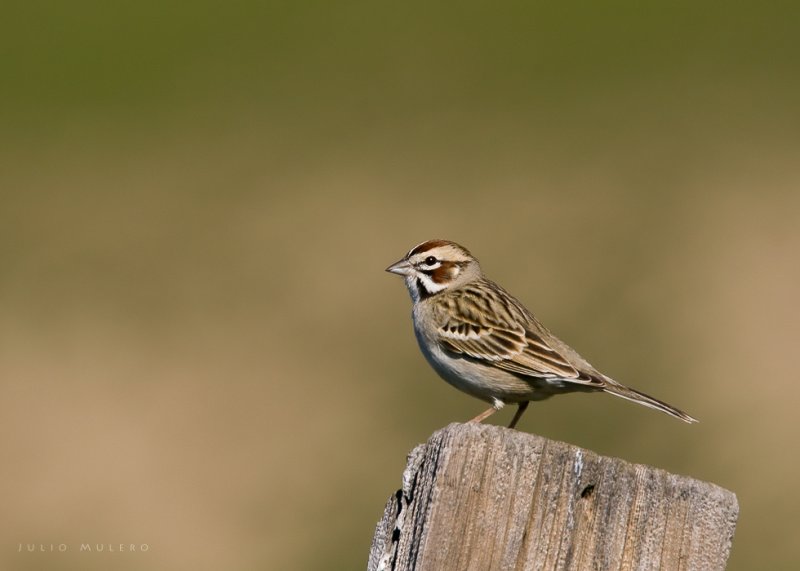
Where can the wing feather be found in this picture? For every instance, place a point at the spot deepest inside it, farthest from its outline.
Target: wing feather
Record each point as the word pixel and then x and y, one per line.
pixel 490 325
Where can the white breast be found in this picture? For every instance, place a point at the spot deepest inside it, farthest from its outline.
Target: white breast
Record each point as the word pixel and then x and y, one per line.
pixel 465 375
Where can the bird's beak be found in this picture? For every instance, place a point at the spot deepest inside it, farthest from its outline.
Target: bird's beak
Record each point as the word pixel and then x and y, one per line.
pixel 401 268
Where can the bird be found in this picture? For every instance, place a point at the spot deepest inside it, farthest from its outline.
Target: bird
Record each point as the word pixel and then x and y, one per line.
pixel 485 342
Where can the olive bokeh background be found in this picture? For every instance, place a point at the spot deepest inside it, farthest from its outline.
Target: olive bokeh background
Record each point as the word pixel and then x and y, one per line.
pixel 199 349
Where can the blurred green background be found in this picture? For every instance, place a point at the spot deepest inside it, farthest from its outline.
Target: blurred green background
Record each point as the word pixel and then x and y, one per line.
pixel 199 349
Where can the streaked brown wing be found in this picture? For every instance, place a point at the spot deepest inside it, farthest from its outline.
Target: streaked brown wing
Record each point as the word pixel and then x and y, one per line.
pixel 481 341
pixel 539 359
pixel 509 337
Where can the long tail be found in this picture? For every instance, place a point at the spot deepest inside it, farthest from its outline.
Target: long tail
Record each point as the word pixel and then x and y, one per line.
pixel 632 395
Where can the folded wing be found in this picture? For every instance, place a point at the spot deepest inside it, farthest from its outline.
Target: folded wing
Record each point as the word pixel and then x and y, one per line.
pixel 511 340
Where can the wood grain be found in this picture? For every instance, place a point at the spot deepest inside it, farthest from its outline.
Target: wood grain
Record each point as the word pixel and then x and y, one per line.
pixel 481 497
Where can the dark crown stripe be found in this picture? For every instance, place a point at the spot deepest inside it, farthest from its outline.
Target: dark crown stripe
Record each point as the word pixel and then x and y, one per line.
pixel 431 244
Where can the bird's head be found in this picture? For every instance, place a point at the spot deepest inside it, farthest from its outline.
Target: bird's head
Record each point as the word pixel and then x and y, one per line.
pixel 435 266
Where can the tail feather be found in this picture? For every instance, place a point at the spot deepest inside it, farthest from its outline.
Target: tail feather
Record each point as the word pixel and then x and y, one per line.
pixel 633 395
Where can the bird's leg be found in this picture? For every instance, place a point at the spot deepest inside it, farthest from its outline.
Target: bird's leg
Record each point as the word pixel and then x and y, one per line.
pixel 484 415
pixel 497 404
pixel 517 415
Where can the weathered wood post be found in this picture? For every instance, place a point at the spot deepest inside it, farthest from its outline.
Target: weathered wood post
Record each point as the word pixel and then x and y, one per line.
pixel 481 497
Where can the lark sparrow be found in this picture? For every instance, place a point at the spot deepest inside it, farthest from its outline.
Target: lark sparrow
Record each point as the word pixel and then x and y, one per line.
pixel 482 340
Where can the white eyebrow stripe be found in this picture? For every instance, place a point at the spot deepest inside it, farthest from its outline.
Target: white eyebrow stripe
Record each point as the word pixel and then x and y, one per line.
pixel 423 267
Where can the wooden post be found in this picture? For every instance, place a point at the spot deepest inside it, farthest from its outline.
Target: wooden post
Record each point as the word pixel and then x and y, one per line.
pixel 481 497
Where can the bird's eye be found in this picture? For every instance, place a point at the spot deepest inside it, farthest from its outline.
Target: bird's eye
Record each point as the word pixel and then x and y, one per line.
pixel 430 261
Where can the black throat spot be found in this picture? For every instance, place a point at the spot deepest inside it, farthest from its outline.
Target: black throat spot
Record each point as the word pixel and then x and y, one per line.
pixel 423 291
